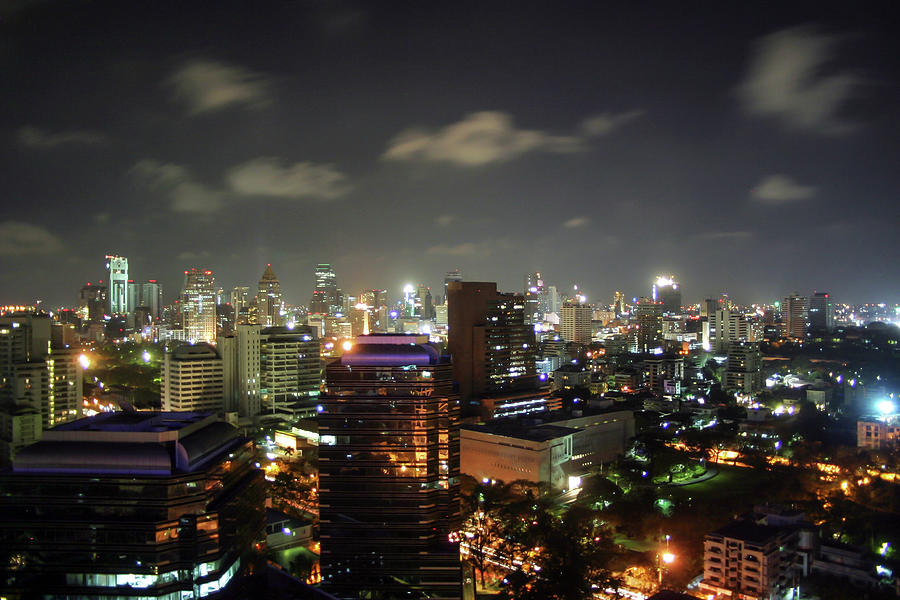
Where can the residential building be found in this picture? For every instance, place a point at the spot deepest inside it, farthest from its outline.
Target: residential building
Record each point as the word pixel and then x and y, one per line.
pixel 241 371
pixel 795 316
pixel 290 374
pixel 743 371
pixel 649 322
pixel 192 379
pixel 877 432
pixel 575 322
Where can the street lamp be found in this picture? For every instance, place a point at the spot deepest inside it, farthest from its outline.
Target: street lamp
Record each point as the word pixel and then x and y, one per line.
pixel 663 557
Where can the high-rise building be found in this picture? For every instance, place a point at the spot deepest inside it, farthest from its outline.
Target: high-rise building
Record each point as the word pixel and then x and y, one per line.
pixel 454 275
pixel 192 379
pixel 117 266
pixel 326 298
pixel 619 303
pixel 795 316
pixel 198 306
pixel 290 374
pixel 534 290
pixel 241 370
pixel 575 322
pixel 489 339
pixel 131 505
pixel 743 373
pixel 727 326
pixel 389 471
pixel 145 294
pixel 269 304
pixel 667 292
pixel 92 302
pixel 649 321
pixel 821 312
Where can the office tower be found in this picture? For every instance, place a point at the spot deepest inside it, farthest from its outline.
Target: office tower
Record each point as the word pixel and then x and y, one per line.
pixel 289 371
pixel 727 326
pixel 192 379
pixel 491 345
pixel 454 275
pixel 92 302
pixel 117 266
pixel 534 290
pixel 667 292
pixel 198 306
pixel 241 370
pixel 649 321
pixel 269 304
pixel 550 303
pixel 408 308
pixel 131 505
pixel 742 373
pixel 821 312
pixel 389 471
pixel 326 298
pixel 619 303
pixel 144 300
pixel 795 316
pixel 575 322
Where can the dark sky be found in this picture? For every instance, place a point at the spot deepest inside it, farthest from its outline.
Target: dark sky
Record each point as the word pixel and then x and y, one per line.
pixel 745 149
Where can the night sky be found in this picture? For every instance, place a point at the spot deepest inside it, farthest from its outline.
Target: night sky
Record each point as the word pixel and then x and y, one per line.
pixel 743 150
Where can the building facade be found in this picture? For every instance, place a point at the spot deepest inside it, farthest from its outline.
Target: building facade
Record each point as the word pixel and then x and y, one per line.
pixel 575 322
pixel 199 306
pixel 192 379
pixel 117 268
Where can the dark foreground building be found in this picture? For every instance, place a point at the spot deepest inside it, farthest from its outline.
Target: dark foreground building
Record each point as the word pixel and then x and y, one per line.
pixel 130 505
pixel 389 472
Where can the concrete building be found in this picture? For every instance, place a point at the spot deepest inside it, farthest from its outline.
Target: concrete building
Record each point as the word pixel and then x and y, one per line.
pixel 662 368
pixel 743 372
pixel 667 292
pixel 575 322
pixel 131 505
pixel 290 374
pixel 199 306
pixel 795 316
pixel 117 269
pixel 648 336
pixel 192 379
pixel 821 312
pixel 269 303
pixel 877 432
pixel 241 371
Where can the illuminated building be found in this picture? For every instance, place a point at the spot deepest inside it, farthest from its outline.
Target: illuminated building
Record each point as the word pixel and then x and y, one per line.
pixel 795 316
pixel 575 322
pixel 821 312
pixel 454 275
pixel 534 290
pixel 649 321
pixel 290 374
pixel 743 371
pixel 269 304
pixel 241 371
pixel 92 302
pixel 619 303
pixel 192 379
pixel 877 432
pixel 117 266
pixel 147 294
pixel 491 345
pixel 326 298
pixel 142 505
pixel 409 301
pixel 198 306
pixel 389 471
pixel 726 327
pixel 667 292
pixel 663 369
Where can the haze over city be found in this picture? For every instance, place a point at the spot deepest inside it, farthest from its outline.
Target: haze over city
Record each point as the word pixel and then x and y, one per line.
pixel 747 152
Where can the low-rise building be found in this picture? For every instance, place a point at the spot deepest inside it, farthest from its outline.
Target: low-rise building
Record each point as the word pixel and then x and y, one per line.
pixel 877 432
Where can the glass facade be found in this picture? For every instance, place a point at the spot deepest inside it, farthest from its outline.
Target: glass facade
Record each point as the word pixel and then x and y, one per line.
pixel 389 479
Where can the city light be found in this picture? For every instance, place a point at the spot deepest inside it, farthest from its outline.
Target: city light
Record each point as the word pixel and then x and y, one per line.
pixel 85 361
pixel 668 558
pixel 886 407
pixel 347 346
pixel 146 356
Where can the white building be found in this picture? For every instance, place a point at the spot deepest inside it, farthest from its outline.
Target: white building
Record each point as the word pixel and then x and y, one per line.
pixel 241 364
pixel 575 322
pixel 192 379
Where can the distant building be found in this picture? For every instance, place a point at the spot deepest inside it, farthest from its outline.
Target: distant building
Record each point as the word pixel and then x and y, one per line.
pixel 131 505
pixel 743 371
pixel 662 368
pixel 269 304
pixel 117 268
pixel 878 432
pixel 327 298
pixel 192 379
pixel 649 322
pixel 795 316
pixel 241 371
pixel 92 302
pixel 667 292
pixel 290 374
pixel 147 295
pixel 198 306
pixel 821 312
pixel 575 322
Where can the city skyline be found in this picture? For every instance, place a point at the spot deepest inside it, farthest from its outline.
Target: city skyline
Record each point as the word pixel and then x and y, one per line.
pixel 743 152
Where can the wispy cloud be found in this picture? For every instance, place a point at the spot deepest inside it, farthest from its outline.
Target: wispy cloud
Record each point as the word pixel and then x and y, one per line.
pixel 34 137
pixel 205 85
pixel 185 193
pixel 445 220
pixel 607 122
pixel 24 239
pixel 781 189
pixel 480 138
pixel 267 176
pixel 576 222
pixel 724 236
pixel 785 80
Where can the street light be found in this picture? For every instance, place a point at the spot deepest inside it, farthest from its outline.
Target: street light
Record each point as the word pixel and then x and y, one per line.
pixel 663 557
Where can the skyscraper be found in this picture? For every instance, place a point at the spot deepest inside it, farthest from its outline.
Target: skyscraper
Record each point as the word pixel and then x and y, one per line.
pixel 575 322
pixel 199 306
pixel 118 284
pixel 289 371
pixel 192 379
pixel 326 299
pixel 269 303
pixel 389 471
pixel 534 289
pixel 742 373
pixel 821 312
pixel 454 275
pixel 667 292
pixel 241 370
pixel 795 316
pixel 92 302
pixel 649 321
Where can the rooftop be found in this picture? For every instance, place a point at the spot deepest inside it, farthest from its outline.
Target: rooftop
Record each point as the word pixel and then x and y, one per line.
pixel 748 531
pixel 511 429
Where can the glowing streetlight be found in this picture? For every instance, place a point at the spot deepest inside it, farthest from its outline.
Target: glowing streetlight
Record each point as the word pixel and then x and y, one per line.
pixel 886 407
pixel 146 356
pixel 85 361
pixel 668 558
pixel 347 346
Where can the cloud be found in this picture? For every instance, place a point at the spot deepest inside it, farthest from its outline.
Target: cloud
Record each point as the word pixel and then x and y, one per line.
pixel 781 189
pixel 445 220
pixel 185 193
pixel 267 176
pixel 480 138
pixel 576 222
pixel 733 236
pixel 605 123
pixel 189 255
pixel 22 239
pixel 205 85
pixel 34 137
pixel 463 249
pixel 785 81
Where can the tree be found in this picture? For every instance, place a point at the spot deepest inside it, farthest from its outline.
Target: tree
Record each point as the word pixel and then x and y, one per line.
pixel 483 520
